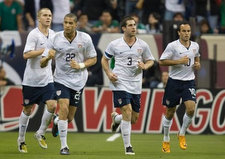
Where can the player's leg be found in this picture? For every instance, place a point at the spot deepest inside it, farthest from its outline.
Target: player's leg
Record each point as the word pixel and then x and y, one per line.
pixel 136 104
pixel 167 122
pixel 126 128
pixel 63 124
pixel 171 98
pixel 189 99
pixel 134 118
pixel 63 98
pixel 116 118
pixel 23 123
pixel 45 121
pixel 29 99
pixel 187 118
pixel 47 96
pixel 74 103
pixel 72 112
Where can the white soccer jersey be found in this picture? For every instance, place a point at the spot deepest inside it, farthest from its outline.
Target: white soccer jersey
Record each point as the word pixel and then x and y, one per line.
pixel 126 64
pixel 174 51
pixel 34 75
pixel 80 49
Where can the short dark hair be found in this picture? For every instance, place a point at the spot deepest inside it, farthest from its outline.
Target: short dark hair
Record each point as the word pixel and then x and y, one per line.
pixel 123 22
pixel 182 23
pixel 71 15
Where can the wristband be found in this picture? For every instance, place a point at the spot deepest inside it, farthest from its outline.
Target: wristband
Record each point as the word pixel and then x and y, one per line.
pixel 82 65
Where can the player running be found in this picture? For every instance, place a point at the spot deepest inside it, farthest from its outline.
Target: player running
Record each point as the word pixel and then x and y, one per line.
pixel 132 55
pixel 183 57
pixel 37 82
pixel 75 52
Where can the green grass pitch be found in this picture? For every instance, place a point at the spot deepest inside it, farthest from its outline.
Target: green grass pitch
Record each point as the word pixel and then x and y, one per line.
pixel 94 146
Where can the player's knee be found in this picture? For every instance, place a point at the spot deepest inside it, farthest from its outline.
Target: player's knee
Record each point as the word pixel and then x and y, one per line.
pixel 170 114
pixel 51 107
pixel 27 110
pixel 191 112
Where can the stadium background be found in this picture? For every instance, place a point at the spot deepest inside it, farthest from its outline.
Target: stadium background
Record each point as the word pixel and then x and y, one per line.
pixel 94 112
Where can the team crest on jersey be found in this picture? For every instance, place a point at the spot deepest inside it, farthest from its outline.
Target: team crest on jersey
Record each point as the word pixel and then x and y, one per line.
pixel 58 93
pixel 26 101
pixel 80 46
pixel 120 101
pixel 194 51
pixel 139 51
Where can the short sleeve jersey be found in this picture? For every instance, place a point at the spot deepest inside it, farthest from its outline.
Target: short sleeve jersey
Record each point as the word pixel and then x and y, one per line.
pixel 174 51
pixel 80 49
pixel 34 75
pixel 126 64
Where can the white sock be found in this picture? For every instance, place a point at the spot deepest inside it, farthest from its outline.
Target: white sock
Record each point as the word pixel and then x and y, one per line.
pixel 126 131
pixel 62 126
pixel 23 123
pixel 166 128
pixel 45 121
pixel 186 122
pixel 118 118
pixel 56 120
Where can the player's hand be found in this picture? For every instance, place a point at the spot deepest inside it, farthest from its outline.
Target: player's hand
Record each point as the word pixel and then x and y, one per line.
pixel 184 60
pixel 196 66
pixel 141 65
pixel 74 64
pixel 51 54
pixel 112 77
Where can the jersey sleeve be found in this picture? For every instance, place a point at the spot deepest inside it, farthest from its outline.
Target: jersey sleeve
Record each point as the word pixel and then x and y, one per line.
pixel 109 52
pixel 147 54
pixel 90 51
pixel 168 52
pixel 197 51
pixel 30 43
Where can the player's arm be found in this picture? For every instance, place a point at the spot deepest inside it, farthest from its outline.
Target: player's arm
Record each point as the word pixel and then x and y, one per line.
pixel 197 64
pixel 105 65
pixel 167 62
pixel 32 54
pixel 19 22
pixel 45 59
pixel 146 65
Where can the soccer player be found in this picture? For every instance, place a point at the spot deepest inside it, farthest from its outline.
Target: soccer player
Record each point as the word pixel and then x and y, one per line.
pixel 132 55
pixel 74 53
pixel 37 82
pixel 183 57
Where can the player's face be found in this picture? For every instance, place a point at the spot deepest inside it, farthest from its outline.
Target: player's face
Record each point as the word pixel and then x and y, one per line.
pixel 45 17
pixel 130 28
pixel 185 32
pixel 69 25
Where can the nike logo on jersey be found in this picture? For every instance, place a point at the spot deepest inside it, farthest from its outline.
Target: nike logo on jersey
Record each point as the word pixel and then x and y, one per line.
pixel 42 43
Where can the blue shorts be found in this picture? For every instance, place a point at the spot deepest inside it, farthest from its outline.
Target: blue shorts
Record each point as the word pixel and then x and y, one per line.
pixel 121 98
pixel 176 90
pixel 36 95
pixel 65 92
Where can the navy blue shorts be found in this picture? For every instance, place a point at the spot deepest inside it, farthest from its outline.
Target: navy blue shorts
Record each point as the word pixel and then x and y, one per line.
pixel 176 90
pixel 36 95
pixel 65 92
pixel 121 98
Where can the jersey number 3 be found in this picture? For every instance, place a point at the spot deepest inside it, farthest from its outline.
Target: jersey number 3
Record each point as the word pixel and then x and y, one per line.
pixel 129 61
